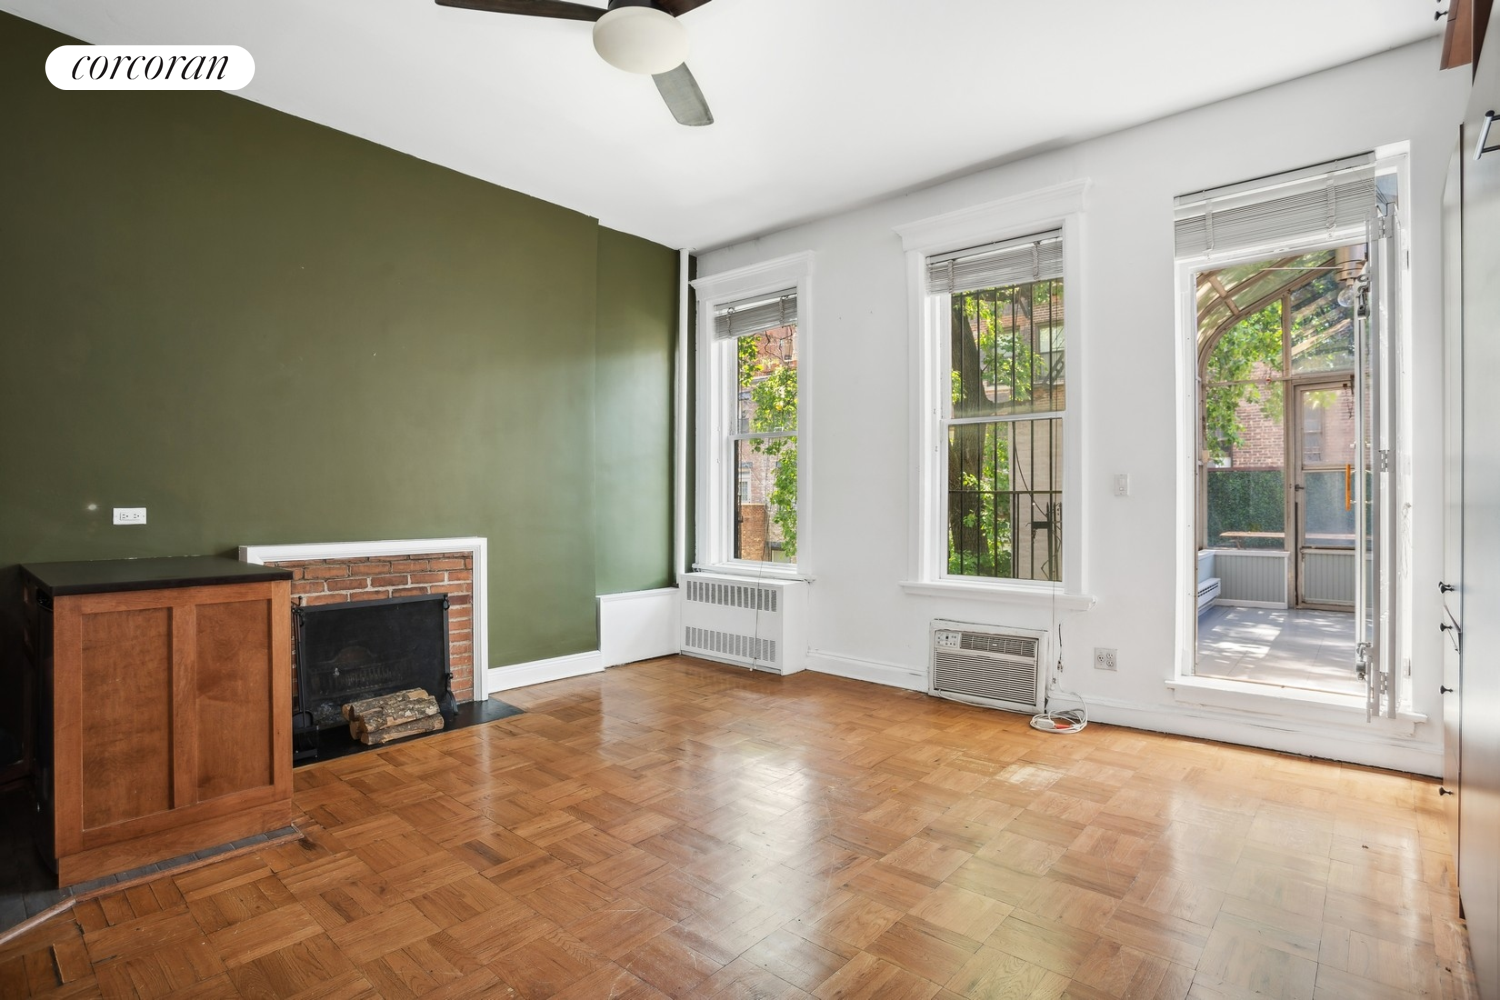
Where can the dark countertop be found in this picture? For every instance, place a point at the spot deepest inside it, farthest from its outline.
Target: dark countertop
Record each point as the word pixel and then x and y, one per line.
pixel 101 576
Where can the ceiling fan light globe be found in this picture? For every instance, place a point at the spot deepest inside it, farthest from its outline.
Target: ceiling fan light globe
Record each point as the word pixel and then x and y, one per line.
pixel 641 40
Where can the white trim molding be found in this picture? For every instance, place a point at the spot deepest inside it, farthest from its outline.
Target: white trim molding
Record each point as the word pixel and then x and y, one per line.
pixel 640 625
pixel 994 220
pixel 871 671
pixel 1319 707
pixel 1351 740
pixel 1001 593
pixel 477 547
pixel 766 276
pixel 519 675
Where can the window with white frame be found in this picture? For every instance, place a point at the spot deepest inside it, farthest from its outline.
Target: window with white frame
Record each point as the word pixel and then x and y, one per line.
pixel 996 435
pixel 750 420
pixel 1002 406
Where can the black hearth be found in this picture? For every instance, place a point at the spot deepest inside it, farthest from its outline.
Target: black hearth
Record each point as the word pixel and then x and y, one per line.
pixel 363 649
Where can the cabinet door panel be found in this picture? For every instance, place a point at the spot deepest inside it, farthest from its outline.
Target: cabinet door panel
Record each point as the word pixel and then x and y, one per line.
pixel 1479 813
pixel 233 705
pixel 1453 490
pixel 126 674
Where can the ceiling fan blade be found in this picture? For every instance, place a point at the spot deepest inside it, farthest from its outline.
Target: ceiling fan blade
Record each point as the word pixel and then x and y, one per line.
pixel 532 8
pixel 677 8
pixel 684 99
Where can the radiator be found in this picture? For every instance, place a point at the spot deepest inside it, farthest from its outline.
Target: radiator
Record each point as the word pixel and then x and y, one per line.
pixel 760 624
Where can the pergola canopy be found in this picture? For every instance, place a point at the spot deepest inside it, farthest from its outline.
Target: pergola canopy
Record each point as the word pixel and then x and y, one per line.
pixel 1229 295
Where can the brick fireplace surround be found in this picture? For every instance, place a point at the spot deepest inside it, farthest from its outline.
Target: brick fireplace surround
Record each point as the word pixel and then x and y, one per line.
pixel 344 578
pixel 344 581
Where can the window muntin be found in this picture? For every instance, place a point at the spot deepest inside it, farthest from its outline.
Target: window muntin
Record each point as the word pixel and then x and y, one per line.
pixel 1006 350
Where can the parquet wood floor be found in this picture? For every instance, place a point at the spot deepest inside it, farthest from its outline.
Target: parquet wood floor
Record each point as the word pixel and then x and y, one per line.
pixel 682 829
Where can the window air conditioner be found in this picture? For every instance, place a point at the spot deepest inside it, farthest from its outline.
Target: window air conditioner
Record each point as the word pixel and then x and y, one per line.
pixel 987 665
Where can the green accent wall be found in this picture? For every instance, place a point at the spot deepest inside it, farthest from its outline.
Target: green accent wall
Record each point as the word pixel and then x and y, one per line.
pixel 633 396
pixel 267 331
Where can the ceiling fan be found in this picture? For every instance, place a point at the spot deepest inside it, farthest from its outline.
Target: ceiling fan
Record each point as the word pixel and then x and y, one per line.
pixel 638 36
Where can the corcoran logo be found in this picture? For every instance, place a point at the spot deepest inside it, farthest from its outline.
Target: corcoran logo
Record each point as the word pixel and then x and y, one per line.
pixel 150 67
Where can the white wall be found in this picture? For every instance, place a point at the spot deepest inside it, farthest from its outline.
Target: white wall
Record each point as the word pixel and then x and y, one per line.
pixel 856 526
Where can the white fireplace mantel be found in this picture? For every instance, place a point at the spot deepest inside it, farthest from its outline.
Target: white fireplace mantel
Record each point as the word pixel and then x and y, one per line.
pixel 476 547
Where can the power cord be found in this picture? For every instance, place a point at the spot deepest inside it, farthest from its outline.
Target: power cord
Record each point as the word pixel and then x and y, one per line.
pixel 1069 720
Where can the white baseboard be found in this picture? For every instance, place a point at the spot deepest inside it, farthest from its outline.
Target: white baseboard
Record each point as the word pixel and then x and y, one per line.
pixel 519 675
pixel 1347 744
pixel 641 625
pixel 874 671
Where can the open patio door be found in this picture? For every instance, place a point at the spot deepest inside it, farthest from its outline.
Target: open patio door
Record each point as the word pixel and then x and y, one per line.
pixel 1377 460
pixel 1292 309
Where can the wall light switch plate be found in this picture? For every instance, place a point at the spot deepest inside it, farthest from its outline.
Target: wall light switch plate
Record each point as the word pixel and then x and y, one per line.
pixel 1122 485
pixel 130 515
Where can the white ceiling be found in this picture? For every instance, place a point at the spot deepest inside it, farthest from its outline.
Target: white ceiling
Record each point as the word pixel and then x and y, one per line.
pixel 821 104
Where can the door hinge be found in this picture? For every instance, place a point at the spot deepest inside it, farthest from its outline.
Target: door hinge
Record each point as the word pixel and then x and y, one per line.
pixel 1384 228
pixel 1385 459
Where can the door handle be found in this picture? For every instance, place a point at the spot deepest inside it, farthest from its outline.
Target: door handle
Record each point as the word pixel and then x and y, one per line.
pixel 1445 588
pixel 1348 486
pixel 1444 791
pixel 1443 689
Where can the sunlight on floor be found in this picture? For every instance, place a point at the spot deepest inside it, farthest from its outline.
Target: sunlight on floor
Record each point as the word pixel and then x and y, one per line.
pixel 1311 650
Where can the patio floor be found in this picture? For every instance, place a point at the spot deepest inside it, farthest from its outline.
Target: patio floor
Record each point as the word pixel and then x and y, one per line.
pixel 1294 648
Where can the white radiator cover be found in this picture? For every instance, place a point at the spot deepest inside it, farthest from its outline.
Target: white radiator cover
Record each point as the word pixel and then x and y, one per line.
pixel 761 624
pixel 989 665
pixel 1208 592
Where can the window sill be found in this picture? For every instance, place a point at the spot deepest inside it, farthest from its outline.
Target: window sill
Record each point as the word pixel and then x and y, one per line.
pixel 1288 703
pixel 753 572
pixel 1046 597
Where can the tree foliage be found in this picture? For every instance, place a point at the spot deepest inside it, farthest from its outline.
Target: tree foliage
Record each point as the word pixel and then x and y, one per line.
pixel 768 371
pixel 1252 346
pixel 1246 500
pixel 1000 361
pixel 1322 339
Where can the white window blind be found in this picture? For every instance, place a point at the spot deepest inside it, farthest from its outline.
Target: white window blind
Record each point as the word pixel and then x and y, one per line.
pixel 1275 211
pixel 756 314
pixel 1014 262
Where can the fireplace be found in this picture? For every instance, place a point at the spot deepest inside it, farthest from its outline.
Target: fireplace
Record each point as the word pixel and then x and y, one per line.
pixel 349 651
pixel 346 572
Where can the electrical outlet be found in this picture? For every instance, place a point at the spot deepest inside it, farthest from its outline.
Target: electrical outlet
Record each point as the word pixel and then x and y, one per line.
pixel 1104 659
pixel 130 515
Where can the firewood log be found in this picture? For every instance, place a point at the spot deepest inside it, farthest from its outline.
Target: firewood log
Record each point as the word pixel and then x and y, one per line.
pixel 427 724
pixel 368 704
pixel 395 715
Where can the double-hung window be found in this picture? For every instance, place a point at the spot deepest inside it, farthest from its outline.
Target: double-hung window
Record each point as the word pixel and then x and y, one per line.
pixel 757 337
pixel 750 423
pixel 1001 423
pixel 996 433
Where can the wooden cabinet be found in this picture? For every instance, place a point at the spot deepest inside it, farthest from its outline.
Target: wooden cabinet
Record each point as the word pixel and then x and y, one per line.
pixel 165 715
pixel 1472 552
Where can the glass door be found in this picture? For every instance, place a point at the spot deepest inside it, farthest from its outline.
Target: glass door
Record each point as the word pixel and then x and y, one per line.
pixel 1323 491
